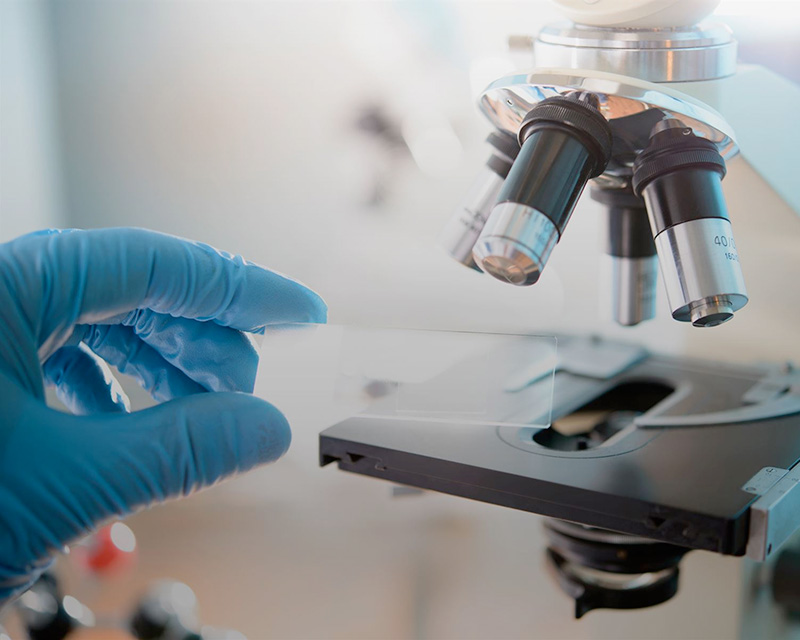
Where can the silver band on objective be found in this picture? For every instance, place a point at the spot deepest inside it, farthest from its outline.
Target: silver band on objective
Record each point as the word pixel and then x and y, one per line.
pixel 633 284
pixel 464 227
pixel 701 271
pixel 515 243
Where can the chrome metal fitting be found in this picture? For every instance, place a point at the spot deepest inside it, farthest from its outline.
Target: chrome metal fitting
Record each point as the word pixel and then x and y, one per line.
pixel 701 270
pixel 682 54
pixel 634 289
pixel 515 244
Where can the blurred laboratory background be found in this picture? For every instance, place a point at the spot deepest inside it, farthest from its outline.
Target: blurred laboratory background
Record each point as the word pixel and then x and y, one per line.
pixel 331 141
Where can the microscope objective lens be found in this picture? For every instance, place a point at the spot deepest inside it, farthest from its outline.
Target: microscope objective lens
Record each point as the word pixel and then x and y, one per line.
pixel 564 142
pixel 461 232
pixel 679 175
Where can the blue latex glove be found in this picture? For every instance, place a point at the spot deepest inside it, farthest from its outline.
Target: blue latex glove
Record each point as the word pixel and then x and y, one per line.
pixel 171 313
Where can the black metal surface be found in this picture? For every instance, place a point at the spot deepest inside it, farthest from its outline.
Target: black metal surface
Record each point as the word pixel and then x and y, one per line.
pixel 579 114
pixel 675 149
pixel 629 234
pixel 628 132
pixel 681 486
pixel 618 557
pixel 499 165
pixel 549 175
pixel 681 175
pixel 604 570
pixel 504 142
pixel 506 150
pixel 684 196
pixel 564 142
pixel 589 597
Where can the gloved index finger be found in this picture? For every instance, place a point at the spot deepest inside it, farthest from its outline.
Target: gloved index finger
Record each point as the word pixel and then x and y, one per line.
pixel 92 275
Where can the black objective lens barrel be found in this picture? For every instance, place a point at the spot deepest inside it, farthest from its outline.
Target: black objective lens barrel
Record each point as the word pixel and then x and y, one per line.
pixel 553 192
pixel 679 175
pixel 633 256
pixel 565 141
pixel 629 234
pixel 683 196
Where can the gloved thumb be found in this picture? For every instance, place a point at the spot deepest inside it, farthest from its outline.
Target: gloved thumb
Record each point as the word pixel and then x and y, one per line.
pixel 72 473
pixel 181 446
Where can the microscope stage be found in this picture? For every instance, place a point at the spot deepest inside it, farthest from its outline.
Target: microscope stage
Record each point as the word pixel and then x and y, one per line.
pixel 679 484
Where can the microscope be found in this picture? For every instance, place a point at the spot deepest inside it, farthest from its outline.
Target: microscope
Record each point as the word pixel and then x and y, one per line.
pixel 647 457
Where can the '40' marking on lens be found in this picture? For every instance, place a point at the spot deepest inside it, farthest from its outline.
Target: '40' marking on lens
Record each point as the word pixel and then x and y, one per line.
pixel 725 241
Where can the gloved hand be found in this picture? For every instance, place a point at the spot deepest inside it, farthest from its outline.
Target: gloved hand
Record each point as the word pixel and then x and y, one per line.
pixel 171 313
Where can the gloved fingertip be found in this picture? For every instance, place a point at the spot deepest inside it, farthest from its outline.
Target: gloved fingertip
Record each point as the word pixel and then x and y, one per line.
pixel 266 435
pixel 319 313
pixel 212 436
pixel 311 309
pixel 285 300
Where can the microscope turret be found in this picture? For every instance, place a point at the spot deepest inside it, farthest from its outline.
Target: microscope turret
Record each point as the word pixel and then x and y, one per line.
pixel 604 89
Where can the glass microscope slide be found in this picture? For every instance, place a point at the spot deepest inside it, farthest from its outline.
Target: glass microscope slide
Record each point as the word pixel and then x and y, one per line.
pixel 322 374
